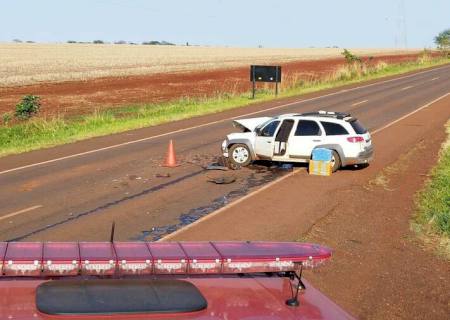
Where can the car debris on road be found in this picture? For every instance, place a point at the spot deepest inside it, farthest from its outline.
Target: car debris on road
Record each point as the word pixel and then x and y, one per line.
pixel 222 179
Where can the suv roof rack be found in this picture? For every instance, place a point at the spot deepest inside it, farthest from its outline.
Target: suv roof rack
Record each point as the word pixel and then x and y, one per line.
pixel 327 114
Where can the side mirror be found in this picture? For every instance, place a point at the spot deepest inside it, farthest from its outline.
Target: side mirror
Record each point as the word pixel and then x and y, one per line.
pixel 258 131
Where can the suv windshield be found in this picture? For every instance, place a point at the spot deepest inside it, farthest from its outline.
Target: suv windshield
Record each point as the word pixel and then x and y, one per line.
pixel 358 127
pixel 269 129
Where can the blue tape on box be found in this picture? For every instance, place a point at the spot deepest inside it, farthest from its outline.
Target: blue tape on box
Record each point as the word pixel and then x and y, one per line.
pixel 321 154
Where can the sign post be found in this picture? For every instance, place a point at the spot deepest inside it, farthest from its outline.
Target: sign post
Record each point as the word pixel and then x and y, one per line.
pixel 265 74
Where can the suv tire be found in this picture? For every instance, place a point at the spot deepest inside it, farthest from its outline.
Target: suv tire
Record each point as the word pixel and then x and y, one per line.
pixel 240 155
pixel 335 161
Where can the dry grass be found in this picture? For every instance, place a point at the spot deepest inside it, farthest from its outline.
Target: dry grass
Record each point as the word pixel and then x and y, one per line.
pixel 23 64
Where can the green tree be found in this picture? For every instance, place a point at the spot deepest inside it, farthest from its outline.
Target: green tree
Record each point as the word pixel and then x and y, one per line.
pixel 28 107
pixel 442 40
pixel 350 57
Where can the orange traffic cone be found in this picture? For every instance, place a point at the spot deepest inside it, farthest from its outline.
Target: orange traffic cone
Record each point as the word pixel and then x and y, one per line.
pixel 171 160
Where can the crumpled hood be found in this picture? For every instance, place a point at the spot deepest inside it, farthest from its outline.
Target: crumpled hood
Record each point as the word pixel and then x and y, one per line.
pixel 251 123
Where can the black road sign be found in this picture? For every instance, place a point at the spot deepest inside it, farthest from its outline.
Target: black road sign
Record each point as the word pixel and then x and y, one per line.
pixel 265 74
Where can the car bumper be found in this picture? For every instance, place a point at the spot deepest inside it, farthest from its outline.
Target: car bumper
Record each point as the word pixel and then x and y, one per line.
pixel 365 156
pixel 224 148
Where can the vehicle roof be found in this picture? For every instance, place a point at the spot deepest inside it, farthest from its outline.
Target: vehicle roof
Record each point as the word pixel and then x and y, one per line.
pixel 230 297
pixel 319 115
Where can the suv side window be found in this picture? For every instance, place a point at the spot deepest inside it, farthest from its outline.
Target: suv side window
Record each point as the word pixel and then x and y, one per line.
pixel 269 130
pixel 333 129
pixel 307 128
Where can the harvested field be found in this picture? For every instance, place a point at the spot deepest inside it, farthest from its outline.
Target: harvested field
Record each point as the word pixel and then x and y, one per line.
pixel 80 97
pixel 24 64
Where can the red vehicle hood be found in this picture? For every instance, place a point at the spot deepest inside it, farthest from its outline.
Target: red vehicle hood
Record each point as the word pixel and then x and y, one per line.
pixel 228 298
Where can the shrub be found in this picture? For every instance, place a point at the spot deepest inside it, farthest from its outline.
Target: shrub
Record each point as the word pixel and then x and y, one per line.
pixel 350 57
pixel 98 42
pixel 7 117
pixel 28 107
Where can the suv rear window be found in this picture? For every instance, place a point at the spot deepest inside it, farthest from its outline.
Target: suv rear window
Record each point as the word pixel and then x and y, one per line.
pixel 358 127
pixel 333 129
pixel 307 128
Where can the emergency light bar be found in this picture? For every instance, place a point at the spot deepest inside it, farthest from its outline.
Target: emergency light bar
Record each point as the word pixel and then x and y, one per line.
pixel 58 259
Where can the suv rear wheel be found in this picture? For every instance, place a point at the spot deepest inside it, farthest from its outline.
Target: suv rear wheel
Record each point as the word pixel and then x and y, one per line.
pixel 335 161
pixel 239 155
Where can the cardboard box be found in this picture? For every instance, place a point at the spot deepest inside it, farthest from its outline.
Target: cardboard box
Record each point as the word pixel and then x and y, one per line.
pixel 320 168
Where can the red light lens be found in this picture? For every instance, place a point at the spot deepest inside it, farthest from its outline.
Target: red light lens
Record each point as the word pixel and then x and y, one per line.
pixel 202 257
pixel 133 258
pixel 23 259
pixel 61 258
pixel 243 257
pixel 355 139
pixel 168 257
pixel 97 258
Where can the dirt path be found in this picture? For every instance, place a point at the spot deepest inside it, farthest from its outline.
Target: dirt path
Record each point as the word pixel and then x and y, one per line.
pixel 380 270
pixel 77 97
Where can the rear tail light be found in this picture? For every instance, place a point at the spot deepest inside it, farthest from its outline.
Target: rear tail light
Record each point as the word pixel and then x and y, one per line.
pixel 133 258
pixel 60 259
pixel 97 258
pixel 355 139
pixel 168 257
pixel 23 259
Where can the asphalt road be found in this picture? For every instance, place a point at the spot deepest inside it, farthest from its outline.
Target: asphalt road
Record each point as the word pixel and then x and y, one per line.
pixel 113 178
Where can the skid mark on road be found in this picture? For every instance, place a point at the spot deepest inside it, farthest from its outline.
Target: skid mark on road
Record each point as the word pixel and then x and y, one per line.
pixel 75 216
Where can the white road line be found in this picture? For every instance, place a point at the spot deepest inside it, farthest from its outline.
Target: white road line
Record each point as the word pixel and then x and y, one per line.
pixel 358 103
pixel 208 124
pixel 434 79
pixel 10 215
pixel 232 204
pixel 406 88
pixel 411 113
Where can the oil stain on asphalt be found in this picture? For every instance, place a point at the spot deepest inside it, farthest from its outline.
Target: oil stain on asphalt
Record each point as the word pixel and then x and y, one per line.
pixel 254 180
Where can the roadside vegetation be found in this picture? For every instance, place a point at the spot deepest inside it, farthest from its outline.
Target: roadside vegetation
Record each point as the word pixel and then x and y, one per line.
pixel 25 135
pixel 442 40
pixel 432 221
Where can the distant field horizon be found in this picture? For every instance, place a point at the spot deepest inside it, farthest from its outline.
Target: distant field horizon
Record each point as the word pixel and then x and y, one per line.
pixel 31 63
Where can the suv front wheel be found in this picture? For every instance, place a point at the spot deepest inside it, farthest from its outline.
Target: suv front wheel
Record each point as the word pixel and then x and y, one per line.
pixel 239 155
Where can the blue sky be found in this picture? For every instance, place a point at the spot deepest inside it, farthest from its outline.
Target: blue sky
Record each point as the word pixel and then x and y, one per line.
pixel 246 23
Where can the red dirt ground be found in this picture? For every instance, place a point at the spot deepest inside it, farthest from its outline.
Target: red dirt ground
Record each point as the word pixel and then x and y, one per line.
pixel 78 97
pixel 380 269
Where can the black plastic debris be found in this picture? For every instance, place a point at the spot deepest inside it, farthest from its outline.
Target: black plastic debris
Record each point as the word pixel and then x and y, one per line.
pixel 282 167
pixel 215 166
pixel 222 179
pixel 286 166
pixel 162 175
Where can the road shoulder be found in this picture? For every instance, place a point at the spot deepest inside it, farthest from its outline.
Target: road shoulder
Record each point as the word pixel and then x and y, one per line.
pixel 379 268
